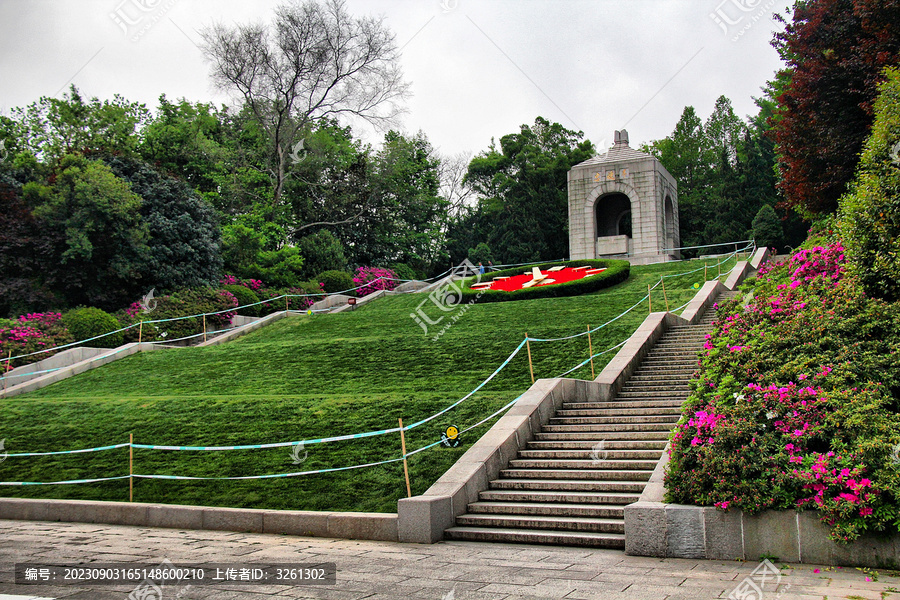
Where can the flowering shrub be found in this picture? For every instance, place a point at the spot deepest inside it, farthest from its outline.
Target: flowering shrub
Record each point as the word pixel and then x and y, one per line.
pixel 250 284
pixel 31 333
pixel 247 300
pixel 795 404
pixel 373 279
pixel 183 303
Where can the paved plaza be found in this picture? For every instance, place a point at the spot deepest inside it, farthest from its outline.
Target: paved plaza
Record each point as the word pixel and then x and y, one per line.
pixel 383 570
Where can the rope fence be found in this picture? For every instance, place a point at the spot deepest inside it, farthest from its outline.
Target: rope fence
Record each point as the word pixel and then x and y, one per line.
pixel 355 436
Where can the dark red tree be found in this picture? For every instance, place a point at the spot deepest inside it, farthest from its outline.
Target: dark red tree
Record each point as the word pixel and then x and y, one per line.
pixel 835 51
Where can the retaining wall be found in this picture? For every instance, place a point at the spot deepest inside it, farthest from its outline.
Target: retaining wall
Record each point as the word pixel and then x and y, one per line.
pixel 65 358
pixel 105 357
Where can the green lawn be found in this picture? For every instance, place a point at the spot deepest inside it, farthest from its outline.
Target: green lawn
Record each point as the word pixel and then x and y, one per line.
pixel 305 378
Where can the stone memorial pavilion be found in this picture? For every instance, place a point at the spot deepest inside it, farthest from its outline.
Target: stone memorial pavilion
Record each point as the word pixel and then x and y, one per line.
pixel 623 204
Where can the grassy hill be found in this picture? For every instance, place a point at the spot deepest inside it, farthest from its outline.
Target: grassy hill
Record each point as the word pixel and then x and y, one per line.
pixel 304 378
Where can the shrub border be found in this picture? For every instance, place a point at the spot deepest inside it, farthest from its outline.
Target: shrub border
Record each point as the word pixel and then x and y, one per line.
pixel 616 272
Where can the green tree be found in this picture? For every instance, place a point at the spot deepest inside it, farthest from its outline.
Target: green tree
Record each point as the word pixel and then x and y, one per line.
pixel 52 127
pixel 184 231
pixel 321 252
pixel 104 239
pixel 190 141
pixel 330 187
pixel 684 154
pixel 766 228
pixel 725 173
pixel 523 204
pixel 480 254
pixel 27 247
pixel 314 61
pixel 409 215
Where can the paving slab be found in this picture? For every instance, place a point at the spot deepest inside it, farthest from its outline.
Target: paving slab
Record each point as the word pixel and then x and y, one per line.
pixel 372 570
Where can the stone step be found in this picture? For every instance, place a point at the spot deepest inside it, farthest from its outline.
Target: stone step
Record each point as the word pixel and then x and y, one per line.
pixel 548 509
pixel 580 524
pixel 681 350
pixel 670 395
pixel 682 339
pixel 677 362
pixel 559 497
pixel 602 464
pixel 686 371
pixel 677 342
pixel 651 411
pixel 657 378
pixel 578 474
pixel 655 445
pixel 601 451
pixel 671 359
pixel 608 428
pixel 569 485
pixel 587 420
pixel 654 389
pixel 625 406
pixel 525 536
pixel 655 386
pixel 652 362
pixel 594 437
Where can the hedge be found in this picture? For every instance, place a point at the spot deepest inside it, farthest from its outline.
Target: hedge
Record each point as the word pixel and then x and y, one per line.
pixel 89 322
pixel 247 300
pixel 616 272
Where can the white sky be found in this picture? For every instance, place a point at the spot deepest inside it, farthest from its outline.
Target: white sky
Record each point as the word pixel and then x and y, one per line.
pixel 478 68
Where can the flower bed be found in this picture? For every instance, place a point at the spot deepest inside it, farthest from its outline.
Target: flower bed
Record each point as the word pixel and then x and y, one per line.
pixel 795 404
pixel 568 282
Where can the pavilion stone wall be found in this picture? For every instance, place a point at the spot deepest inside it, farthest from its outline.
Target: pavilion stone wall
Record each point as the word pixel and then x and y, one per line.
pixel 646 182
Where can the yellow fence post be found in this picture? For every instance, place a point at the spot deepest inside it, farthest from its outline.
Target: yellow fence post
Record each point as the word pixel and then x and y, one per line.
pixel 405 466
pixel 6 372
pixel 141 332
pixel 665 297
pixel 649 299
pixel 530 365
pixel 130 467
pixel 204 328
pixel 591 351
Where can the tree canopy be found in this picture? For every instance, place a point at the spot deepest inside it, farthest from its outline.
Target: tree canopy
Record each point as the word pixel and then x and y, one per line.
pixel 835 52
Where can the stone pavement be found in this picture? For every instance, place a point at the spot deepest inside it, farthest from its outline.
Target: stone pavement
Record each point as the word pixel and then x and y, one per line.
pixel 387 571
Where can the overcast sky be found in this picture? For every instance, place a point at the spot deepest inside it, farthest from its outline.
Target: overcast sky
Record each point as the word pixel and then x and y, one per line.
pixel 478 68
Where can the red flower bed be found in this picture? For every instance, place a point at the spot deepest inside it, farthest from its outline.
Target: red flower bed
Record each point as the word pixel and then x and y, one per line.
pixel 516 282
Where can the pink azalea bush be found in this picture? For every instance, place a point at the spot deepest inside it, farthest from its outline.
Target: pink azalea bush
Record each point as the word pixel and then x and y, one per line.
pixel 372 279
pixel 182 303
pixel 31 333
pixel 795 402
pixel 252 284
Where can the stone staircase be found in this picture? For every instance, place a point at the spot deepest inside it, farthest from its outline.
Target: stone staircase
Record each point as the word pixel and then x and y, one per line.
pixel 571 484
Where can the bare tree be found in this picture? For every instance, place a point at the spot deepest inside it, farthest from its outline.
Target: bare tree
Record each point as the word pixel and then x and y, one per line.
pixel 454 189
pixel 314 61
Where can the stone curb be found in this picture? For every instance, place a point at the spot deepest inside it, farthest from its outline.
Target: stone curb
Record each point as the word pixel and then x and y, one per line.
pixel 338 525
